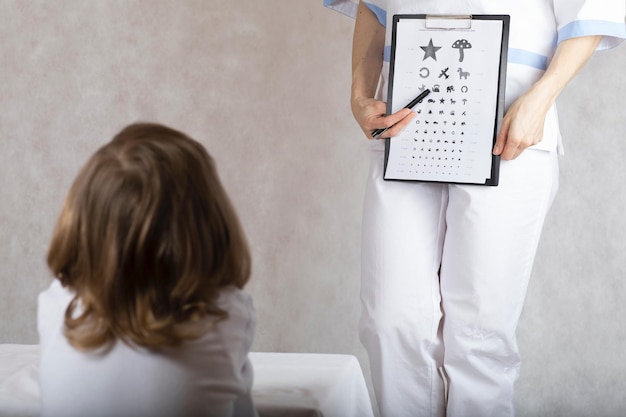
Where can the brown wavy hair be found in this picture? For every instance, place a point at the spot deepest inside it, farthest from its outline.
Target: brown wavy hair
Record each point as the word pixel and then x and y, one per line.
pixel 146 238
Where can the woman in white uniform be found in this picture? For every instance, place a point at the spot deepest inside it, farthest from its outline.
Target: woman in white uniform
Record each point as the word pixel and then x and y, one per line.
pixel 445 268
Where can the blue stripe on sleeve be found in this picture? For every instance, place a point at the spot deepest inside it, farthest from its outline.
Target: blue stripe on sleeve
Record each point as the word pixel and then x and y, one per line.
pixel 381 14
pixel 523 57
pixel 592 27
pixel 349 8
pixel 346 7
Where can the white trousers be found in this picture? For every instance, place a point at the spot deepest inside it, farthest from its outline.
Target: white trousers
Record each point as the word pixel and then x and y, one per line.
pixel 445 270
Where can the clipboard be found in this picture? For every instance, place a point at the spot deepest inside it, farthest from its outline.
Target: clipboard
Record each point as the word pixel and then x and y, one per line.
pixel 462 60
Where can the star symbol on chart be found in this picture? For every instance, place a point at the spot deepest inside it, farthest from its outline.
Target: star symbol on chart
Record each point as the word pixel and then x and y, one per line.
pixel 430 50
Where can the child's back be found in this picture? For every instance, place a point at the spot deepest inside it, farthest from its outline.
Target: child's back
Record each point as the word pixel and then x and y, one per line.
pixel 210 376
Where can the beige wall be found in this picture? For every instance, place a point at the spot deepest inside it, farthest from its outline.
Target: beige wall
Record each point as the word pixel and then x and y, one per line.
pixel 264 85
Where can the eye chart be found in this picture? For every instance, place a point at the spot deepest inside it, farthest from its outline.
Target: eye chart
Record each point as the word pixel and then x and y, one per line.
pixel 462 61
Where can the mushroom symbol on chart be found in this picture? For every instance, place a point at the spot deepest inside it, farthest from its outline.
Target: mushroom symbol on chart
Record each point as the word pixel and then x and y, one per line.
pixel 461 45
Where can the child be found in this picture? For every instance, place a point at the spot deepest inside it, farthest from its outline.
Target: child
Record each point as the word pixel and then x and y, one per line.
pixel 147 316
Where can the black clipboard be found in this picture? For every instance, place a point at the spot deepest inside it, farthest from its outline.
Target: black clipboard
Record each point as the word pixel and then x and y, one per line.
pixel 430 30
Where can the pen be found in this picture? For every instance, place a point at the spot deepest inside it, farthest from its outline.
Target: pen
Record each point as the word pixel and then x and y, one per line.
pixel 376 133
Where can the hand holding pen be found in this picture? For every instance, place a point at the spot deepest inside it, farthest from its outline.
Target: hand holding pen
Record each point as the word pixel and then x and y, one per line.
pixel 378 132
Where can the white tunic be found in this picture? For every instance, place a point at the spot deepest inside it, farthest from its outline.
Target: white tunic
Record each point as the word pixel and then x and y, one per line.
pixel 210 376
pixel 537 26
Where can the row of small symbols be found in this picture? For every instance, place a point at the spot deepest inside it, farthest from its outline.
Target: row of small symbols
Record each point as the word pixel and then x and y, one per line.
pixel 434 132
pixel 441 112
pixel 436 123
pixel 437 151
pixel 424 72
pixel 423 167
pixel 448 89
pixel 442 100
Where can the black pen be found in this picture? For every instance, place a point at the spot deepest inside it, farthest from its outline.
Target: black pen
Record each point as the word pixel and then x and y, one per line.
pixel 376 133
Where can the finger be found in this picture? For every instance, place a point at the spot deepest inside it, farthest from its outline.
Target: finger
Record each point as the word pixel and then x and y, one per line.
pixel 402 114
pixel 502 136
pixel 516 144
pixel 394 118
pixel 512 149
pixel 397 128
pixel 393 123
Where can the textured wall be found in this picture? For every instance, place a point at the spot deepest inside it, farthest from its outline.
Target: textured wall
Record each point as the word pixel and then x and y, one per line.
pixel 265 86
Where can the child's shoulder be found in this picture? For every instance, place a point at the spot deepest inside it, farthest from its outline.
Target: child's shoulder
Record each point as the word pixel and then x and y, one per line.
pixel 238 304
pixel 51 305
pixel 56 294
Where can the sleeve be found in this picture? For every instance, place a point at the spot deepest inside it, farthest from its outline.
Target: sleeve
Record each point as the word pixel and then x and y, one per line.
pixel 576 18
pixel 237 333
pixel 244 405
pixel 349 8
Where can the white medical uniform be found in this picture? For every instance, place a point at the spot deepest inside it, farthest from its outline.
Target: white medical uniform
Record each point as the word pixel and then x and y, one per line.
pixel 209 376
pixel 445 268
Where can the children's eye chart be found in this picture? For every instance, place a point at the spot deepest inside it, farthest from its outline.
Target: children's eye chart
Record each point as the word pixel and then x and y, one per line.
pixel 462 61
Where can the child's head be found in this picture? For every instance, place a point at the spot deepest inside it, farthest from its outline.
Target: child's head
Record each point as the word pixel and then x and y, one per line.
pixel 146 238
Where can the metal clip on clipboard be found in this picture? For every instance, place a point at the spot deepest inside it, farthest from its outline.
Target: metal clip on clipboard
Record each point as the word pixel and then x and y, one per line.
pixel 448 22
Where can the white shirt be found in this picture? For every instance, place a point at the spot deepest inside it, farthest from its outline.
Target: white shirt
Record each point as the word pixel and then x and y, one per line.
pixel 537 26
pixel 209 376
